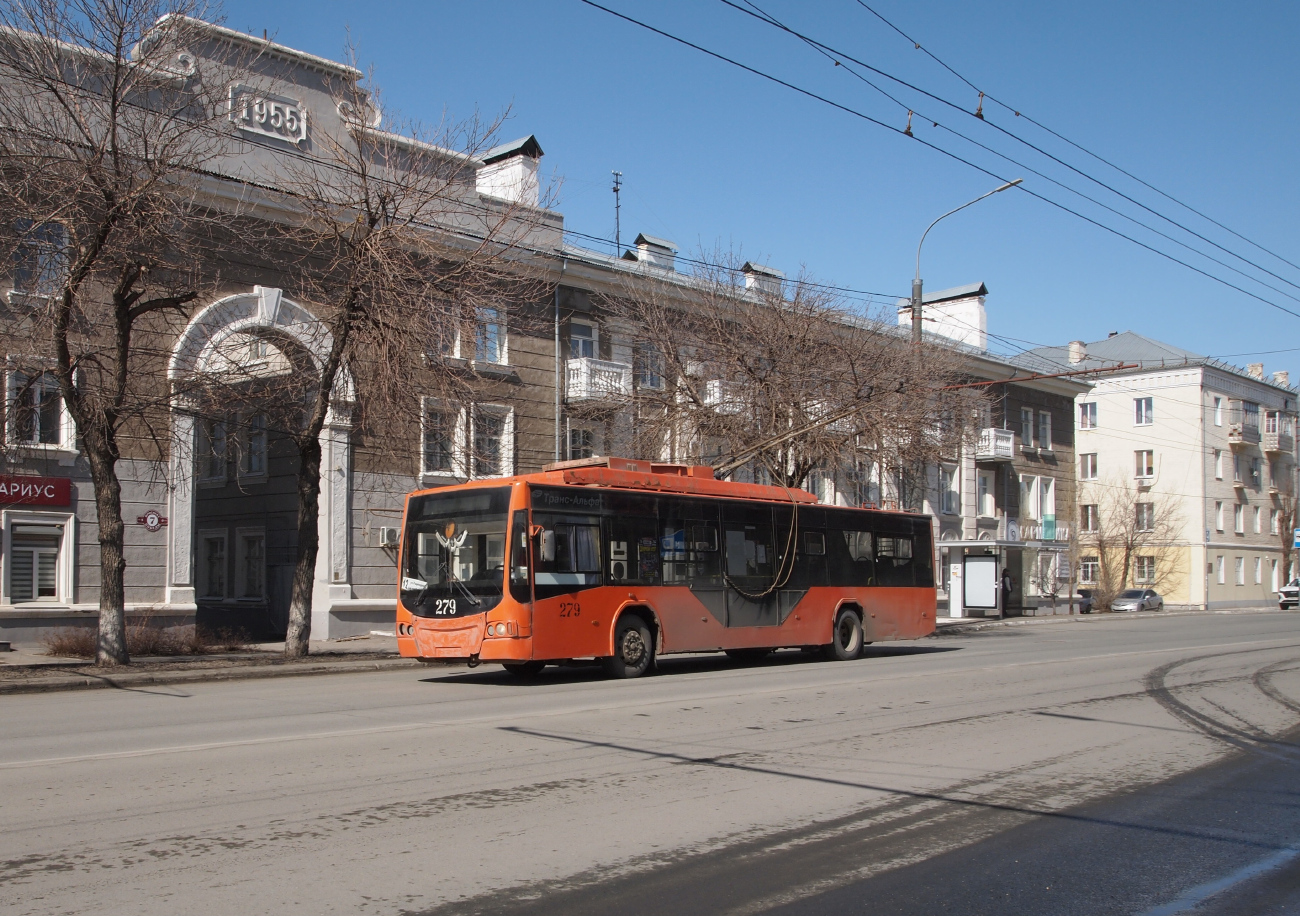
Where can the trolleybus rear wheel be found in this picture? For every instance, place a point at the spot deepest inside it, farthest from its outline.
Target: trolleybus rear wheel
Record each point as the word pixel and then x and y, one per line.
pixel 846 638
pixel 634 649
pixel 524 669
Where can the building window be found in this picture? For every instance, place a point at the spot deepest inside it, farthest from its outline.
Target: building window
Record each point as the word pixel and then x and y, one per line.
pixel 1044 429
pixel 1273 523
pixel 1218 567
pixel 1218 411
pixel 34 561
pixel 984 503
pixel 1146 516
pixel 1089 520
pixel 1218 464
pixel 1250 414
pixel 950 491
pixel 490 336
pixel 1258 516
pixel 1088 415
pixel 1259 570
pixel 1145 463
pixel 212 454
pixel 1218 515
pixel 40 259
pixel 1028 497
pixel 648 365
pixel 581 443
pixel 1026 427
pixel 582 340
pixel 1143 415
pixel 251 563
pixel 252 462
pixel 491 438
pixel 212 565
pixel 1089 569
pixel 1088 467
pixel 1236 468
pixel 1239 566
pixel 1270 421
pixel 1256 473
pixel 438 450
pixel 1144 570
pixel 1239 518
pixel 36 409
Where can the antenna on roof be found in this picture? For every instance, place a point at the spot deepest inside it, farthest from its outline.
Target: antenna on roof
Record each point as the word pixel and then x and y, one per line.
pixel 618 242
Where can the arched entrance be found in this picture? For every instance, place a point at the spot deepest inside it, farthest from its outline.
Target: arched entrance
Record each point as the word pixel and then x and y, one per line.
pixel 233 523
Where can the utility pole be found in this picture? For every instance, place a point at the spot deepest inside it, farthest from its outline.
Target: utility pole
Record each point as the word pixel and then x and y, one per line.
pixel 618 242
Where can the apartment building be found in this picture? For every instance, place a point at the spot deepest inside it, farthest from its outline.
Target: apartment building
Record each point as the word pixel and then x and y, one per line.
pixel 1190 460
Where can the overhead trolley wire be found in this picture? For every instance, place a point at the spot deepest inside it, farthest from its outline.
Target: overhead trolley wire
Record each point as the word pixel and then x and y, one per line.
pixel 939 149
pixel 832 53
pixel 1067 140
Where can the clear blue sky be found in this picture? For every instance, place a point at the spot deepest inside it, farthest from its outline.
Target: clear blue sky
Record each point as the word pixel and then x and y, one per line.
pixel 1196 98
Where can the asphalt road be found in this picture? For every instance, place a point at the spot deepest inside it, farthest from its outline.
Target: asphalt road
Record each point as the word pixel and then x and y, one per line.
pixel 1110 766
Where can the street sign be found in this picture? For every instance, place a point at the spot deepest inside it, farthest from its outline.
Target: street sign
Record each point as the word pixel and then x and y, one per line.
pixel 1296 535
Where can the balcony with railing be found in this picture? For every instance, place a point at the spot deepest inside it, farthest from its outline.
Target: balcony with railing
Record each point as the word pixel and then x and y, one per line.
pixel 1243 424
pixel 996 445
pixel 1278 436
pixel 1044 531
pixel 598 380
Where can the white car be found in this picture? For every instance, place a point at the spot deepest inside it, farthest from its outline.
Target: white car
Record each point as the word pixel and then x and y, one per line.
pixel 1138 599
pixel 1289 595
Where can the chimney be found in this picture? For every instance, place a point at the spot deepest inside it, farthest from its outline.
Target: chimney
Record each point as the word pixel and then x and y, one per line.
pixel 1255 370
pixel 761 279
pixel 510 172
pixel 1078 352
pixel 655 252
pixel 1282 378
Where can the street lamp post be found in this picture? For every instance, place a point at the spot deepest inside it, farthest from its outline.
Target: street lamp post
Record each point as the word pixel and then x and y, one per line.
pixel 916 282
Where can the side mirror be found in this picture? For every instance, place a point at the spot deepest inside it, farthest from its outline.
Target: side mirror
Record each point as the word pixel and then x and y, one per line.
pixel 547 545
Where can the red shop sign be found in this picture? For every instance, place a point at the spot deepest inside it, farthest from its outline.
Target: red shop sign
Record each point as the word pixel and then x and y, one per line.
pixel 36 491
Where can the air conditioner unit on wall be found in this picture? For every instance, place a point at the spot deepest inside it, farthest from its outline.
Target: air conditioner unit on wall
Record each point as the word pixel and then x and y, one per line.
pixel 388 537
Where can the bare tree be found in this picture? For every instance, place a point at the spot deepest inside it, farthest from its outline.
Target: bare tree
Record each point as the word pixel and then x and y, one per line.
pixel 1288 519
pixel 108 120
pixel 1132 533
pixel 398 254
pixel 783 378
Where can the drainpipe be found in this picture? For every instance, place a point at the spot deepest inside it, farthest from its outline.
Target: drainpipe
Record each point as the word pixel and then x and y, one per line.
pixel 564 265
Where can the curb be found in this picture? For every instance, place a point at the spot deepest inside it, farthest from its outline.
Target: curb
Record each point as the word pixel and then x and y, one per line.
pixel 975 627
pixel 128 680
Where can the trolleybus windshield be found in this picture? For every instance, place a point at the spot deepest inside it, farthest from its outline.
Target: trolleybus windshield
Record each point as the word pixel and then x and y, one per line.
pixel 455 552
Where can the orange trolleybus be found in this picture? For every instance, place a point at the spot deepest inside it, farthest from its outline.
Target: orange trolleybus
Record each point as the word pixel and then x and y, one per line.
pixel 623 561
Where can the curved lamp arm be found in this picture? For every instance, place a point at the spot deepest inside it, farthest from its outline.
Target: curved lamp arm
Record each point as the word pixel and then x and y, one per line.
pixel 1009 184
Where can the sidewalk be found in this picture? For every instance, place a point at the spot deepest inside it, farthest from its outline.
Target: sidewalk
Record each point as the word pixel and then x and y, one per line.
pixel 951 626
pixel 27 669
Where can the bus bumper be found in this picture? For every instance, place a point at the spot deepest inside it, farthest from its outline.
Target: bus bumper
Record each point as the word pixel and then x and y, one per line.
pixel 463 639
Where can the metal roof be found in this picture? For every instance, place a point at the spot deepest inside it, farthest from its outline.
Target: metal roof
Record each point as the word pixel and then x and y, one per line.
pixel 1131 347
pixel 643 239
pixel 945 295
pixel 524 146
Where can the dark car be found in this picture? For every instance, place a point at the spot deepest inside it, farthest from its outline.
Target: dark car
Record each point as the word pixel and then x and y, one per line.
pixel 1138 599
pixel 1085 601
pixel 1289 595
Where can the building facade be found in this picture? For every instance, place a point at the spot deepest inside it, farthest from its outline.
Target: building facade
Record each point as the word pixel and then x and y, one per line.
pixel 1196 460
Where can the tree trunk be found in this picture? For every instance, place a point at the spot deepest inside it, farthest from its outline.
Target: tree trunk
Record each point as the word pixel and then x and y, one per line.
pixel 304 573
pixel 111 649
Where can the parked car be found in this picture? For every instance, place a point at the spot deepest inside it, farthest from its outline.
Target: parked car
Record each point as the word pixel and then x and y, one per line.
pixel 1138 599
pixel 1085 600
pixel 1289 595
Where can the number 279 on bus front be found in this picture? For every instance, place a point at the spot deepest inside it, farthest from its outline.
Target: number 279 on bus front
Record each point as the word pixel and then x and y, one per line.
pixel 570 609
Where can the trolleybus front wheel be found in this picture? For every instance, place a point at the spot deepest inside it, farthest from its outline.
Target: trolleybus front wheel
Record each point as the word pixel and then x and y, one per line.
pixel 634 649
pixel 846 638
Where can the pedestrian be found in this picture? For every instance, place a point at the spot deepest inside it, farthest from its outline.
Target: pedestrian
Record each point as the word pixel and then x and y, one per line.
pixel 1007 585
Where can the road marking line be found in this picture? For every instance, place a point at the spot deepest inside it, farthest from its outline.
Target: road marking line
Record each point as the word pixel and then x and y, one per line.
pixel 1194 897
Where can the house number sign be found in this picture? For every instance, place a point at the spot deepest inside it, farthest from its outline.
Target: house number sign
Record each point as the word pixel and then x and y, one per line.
pixel 152 521
pixel 268 115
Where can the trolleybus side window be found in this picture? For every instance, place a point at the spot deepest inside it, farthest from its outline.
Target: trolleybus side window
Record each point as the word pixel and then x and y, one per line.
pixel 568 555
pixel 632 550
pixel 688 542
pixel 750 557
pixel 849 558
pixel 893 560
pixel 923 554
